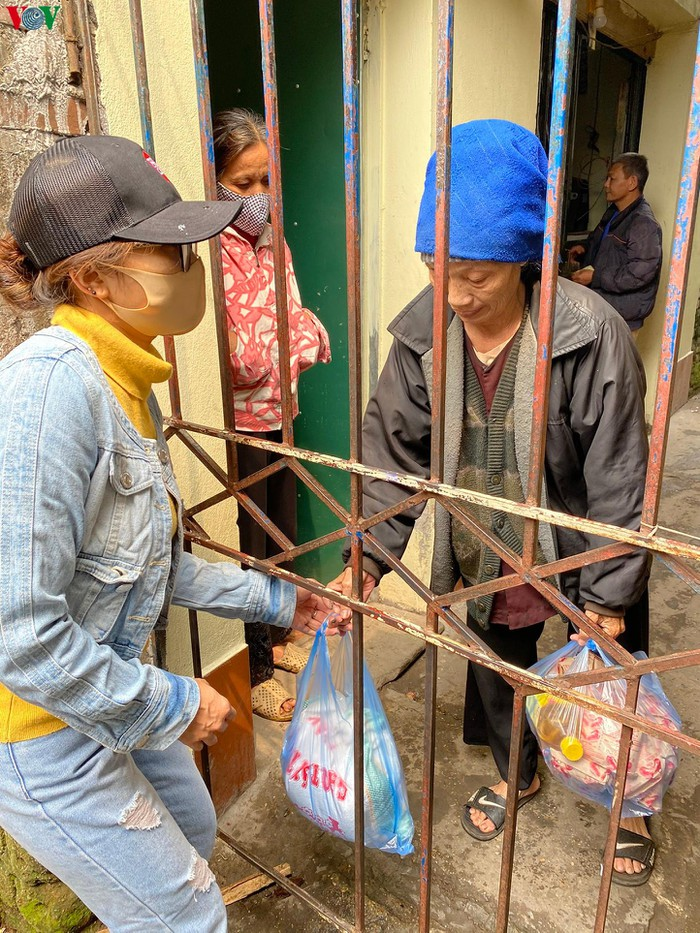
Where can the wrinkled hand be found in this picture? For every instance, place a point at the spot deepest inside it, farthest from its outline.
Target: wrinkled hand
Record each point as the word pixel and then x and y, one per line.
pixel 576 251
pixel 613 626
pixel 343 583
pixel 312 611
pixel 583 277
pixel 213 716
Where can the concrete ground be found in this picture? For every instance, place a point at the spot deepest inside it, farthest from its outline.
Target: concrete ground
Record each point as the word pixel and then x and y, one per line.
pixel 560 837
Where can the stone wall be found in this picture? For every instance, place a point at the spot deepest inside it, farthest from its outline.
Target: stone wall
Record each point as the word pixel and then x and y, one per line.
pixel 38 105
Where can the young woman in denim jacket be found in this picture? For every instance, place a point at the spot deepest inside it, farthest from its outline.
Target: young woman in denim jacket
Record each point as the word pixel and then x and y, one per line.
pixel 97 780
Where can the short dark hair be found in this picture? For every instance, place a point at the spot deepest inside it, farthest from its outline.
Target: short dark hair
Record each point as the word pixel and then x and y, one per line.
pixel 633 163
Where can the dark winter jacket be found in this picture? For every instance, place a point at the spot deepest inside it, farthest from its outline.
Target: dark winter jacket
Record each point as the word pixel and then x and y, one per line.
pixel 596 448
pixel 627 261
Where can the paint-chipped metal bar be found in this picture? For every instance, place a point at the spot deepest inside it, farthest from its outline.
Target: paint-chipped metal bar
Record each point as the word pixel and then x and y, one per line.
pixel 669 548
pixel 206 138
pixel 146 117
pixel 286 884
pixel 443 173
pixel 469 650
pixel 675 296
pixel 508 852
pixel 623 757
pixel 351 159
pixel 143 89
pixel 269 62
pixel 563 65
pixel 88 70
pixel 677 547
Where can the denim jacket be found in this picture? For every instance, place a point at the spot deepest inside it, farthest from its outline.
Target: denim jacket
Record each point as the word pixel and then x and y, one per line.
pixel 87 559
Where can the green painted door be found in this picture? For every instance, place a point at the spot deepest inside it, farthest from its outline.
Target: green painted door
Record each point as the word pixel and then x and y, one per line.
pixel 309 77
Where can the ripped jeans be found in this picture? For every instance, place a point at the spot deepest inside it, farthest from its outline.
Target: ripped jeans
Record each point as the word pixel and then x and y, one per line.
pixel 128 833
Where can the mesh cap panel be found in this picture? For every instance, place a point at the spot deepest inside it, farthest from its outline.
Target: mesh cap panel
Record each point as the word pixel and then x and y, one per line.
pixel 66 204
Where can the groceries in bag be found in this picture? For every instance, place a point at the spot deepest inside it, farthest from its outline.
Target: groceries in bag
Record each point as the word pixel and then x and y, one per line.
pixel 317 756
pixel 580 747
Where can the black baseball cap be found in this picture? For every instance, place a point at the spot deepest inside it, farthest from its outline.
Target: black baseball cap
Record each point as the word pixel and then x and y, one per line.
pixel 87 190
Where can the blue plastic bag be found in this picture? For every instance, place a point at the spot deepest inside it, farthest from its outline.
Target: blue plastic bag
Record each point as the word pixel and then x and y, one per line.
pixel 317 755
pixel 580 746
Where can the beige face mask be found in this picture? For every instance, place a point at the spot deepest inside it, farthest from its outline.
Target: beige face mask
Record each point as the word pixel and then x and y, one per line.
pixel 175 303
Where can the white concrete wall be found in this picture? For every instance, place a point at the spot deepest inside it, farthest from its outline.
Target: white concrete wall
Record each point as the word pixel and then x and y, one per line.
pixel 176 134
pixel 669 79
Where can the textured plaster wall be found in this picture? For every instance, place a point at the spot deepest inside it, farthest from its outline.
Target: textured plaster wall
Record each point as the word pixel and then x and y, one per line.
pixel 666 104
pixel 496 54
pixel 177 149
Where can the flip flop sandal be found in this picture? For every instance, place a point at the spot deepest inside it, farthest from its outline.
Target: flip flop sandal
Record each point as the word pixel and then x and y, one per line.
pixel 267 699
pixel 293 660
pixel 494 806
pixel 637 847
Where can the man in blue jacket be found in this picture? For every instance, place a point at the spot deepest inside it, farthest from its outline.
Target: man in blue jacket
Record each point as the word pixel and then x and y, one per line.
pixel 622 256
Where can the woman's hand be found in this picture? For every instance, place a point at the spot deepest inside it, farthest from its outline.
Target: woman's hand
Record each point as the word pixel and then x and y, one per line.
pixel 312 611
pixel 343 584
pixel 613 626
pixel 213 716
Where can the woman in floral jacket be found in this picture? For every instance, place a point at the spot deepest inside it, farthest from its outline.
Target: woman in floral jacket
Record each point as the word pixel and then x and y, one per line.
pixel 246 251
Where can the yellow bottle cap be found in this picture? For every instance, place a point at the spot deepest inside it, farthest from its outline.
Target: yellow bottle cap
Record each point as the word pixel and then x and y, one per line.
pixel 571 748
pixel 542 698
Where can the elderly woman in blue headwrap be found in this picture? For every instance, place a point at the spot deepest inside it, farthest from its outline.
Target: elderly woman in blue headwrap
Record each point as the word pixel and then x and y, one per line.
pixel 596 449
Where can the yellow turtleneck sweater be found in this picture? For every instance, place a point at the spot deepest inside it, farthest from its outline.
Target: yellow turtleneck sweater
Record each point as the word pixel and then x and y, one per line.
pixel 130 371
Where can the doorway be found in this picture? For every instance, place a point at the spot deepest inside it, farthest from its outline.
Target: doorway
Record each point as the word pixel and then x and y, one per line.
pixel 605 118
pixel 309 73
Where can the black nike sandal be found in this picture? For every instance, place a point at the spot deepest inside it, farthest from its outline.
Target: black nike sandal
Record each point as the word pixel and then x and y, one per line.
pixel 494 806
pixel 637 847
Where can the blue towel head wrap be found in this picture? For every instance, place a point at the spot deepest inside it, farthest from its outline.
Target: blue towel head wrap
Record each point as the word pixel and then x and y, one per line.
pixel 498 190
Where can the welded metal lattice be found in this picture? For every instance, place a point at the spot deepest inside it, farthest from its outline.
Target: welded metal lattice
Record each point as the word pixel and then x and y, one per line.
pixel 674 550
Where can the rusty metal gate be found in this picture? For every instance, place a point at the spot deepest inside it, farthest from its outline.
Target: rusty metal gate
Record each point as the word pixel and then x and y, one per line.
pixel 673 549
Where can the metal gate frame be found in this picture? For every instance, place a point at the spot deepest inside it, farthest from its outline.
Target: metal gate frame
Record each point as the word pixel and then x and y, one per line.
pixel 669 548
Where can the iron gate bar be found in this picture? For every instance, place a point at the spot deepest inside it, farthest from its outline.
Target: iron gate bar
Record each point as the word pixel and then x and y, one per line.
pixel 664 662
pixel 517 730
pixel 142 86
pixel 206 139
pixel 677 287
pixel 655 543
pixel 351 153
pixel 561 84
pixel 88 74
pixel 443 171
pixel 623 758
pixel 679 569
pixel 216 499
pixel 285 883
pixel 319 490
pixel 146 117
pixel 533 682
pixel 551 593
pixel 269 63
pixel 309 546
pixel 668 549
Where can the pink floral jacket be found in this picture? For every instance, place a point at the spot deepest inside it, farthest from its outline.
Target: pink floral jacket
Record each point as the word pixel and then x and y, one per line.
pixel 249 283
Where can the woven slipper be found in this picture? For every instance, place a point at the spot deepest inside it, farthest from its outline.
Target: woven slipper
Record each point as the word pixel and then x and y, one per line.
pixel 267 699
pixel 494 806
pixel 293 660
pixel 637 847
